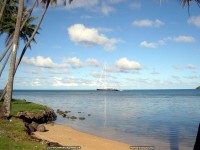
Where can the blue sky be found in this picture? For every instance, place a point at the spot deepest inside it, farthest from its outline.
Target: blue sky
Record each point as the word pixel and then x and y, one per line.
pixel 144 45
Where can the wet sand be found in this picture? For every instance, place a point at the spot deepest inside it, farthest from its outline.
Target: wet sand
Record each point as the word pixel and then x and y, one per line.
pixel 67 136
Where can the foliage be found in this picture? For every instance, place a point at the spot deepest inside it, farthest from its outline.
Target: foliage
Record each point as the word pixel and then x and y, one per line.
pixel 13 136
pixel 198 88
pixel 8 23
pixel 23 105
pixel 13 132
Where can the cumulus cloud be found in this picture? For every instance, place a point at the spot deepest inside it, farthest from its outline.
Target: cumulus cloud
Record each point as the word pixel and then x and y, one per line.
pixel 148 23
pixel 106 9
pixel 195 20
pixel 90 36
pixel 123 64
pixel 73 82
pixel 146 44
pixel 93 62
pixel 184 39
pixel 41 61
pixel 73 62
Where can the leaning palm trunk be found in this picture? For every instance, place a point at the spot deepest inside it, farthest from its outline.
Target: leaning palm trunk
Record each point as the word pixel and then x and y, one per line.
pixel 27 45
pixel 4 64
pixel 32 36
pixel 24 22
pixel 3 8
pixel 5 110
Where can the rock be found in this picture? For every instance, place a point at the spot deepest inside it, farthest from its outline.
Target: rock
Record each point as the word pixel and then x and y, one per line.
pixel 64 115
pixel 41 117
pixel 41 128
pixel 73 117
pixel 89 114
pixel 81 118
pixel 31 128
pixel 67 111
pixel 79 112
pixel 34 125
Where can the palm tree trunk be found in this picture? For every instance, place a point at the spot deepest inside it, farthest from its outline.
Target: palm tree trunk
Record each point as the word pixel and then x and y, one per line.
pixel 4 64
pixel 5 51
pixel 24 22
pixel 32 36
pixel 5 110
pixel 27 44
pixel 3 8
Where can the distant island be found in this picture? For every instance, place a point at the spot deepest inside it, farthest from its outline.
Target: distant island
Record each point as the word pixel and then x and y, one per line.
pixel 198 88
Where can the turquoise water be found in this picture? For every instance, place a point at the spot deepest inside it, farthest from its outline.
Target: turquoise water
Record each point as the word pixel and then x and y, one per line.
pixel 169 117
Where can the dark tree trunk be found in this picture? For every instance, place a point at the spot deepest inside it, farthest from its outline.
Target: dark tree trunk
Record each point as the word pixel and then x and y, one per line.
pixel 5 110
pixel 3 8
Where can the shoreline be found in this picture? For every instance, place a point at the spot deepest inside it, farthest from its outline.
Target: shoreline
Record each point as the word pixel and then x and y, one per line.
pixel 68 136
pixel 71 138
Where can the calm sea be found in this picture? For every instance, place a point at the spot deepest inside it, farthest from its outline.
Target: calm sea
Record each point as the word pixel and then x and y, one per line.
pixel 166 119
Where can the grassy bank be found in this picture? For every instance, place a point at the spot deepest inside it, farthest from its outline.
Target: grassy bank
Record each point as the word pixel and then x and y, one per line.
pixel 13 134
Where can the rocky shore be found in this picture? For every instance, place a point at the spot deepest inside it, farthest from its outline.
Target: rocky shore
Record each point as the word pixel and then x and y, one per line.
pixel 34 121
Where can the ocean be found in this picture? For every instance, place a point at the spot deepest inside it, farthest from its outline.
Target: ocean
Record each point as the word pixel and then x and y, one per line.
pixel 165 119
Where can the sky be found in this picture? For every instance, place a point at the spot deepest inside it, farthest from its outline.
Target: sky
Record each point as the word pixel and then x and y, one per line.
pixel 129 44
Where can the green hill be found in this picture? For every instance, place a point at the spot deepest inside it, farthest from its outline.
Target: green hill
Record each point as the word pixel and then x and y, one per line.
pixel 198 88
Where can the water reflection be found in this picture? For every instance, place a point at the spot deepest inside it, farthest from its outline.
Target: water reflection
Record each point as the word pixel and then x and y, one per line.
pixel 105 111
pixel 170 118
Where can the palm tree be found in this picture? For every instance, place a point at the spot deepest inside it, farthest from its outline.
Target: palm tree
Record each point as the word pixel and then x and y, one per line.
pixel 7 93
pixel 184 2
pixel 3 8
pixel 8 27
pixel 7 99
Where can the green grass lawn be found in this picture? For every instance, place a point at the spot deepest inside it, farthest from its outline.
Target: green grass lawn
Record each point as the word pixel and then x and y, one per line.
pixel 13 134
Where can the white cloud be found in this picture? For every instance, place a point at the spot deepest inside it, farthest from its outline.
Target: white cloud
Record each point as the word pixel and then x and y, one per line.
pixel 148 23
pixel 123 64
pixel 35 82
pixel 190 66
pixel 184 39
pixel 41 61
pixel 106 9
pixel 163 41
pixel 93 62
pixel 146 44
pixel 90 36
pixel 135 5
pixel 195 20
pixel 74 62
pixel 73 82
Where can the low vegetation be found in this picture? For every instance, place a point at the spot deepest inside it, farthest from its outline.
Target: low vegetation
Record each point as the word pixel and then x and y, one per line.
pixel 13 133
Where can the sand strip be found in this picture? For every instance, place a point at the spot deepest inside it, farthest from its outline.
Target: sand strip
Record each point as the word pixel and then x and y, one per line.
pixel 67 136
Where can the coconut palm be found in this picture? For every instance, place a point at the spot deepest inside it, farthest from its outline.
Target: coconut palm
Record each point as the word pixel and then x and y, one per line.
pixel 187 2
pixel 24 22
pixel 3 8
pixel 7 93
pixel 7 100
pixel 8 27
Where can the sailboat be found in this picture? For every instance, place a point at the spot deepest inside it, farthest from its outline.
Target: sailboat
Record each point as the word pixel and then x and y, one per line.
pixel 104 82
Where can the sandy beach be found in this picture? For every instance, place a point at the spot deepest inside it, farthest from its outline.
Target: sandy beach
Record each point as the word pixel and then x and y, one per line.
pixel 67 136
